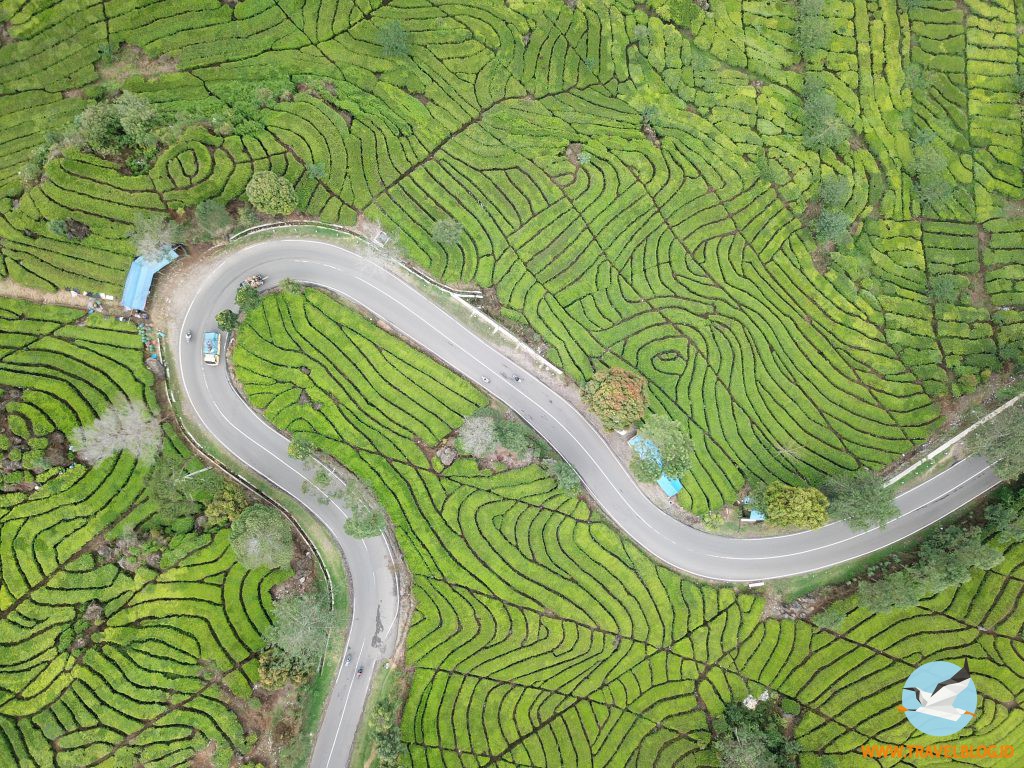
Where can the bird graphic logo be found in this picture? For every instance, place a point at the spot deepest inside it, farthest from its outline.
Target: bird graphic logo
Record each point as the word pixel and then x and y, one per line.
pixel 939 698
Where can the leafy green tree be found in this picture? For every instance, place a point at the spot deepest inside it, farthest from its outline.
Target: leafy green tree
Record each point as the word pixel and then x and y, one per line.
pixel 895 591
pixel 271 193
pixel 934 184
pixel 753 736
pixel 1005 515
pixel 384 728
pixel 247 298
pixel 393 39
pixel 823 127
pixel 565 476
pixel 1001 441
pixel 446 232
pixel 744 748
pixel 110 127
pixel 645 468
pixel 832 227
pixel 862 499
pixel 813 30
pixel 169 491
pixel 227 320
pixel 516 437
pixel 226 505
pixel 212 219
pixel 945 289
pixel 833 191
pixel 951 555
pixel 948 557
pixel 672 441
pixel 797 506
pixel 830 617
pixel 617 396
pixel 262 538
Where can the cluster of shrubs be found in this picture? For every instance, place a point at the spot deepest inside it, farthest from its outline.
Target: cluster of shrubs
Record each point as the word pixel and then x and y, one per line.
pixel 492 435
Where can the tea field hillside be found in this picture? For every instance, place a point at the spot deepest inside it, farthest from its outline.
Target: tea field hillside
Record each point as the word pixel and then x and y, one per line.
pixel 801 221
pixel 541 637
pixel 128 636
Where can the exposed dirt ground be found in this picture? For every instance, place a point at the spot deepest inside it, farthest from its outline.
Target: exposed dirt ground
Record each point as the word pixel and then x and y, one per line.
pixel 11 290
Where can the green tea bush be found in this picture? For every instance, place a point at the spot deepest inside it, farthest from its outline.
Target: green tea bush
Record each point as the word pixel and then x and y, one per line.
pixel 638 206
pixel 115 629
pixel 527 601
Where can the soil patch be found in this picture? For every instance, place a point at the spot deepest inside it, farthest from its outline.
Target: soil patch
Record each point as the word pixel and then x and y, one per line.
pixel 132 60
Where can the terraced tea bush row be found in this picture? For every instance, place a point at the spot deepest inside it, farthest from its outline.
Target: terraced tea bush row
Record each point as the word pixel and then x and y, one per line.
pixel 541 637
pixel 651 201
pixel 115 650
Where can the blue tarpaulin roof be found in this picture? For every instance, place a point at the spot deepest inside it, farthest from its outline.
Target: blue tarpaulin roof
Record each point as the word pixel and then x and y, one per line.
pixel 645 448
pixel 140 278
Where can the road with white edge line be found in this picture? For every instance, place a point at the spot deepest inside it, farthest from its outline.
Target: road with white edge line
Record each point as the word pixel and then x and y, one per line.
pixel 232 423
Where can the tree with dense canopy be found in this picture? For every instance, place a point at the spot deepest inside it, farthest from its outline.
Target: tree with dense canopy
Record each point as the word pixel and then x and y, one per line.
pixel 1001 441
pixel 672 441
pixel 564 474
pixel 798 506
pixel 227 320
pixel 108 127
pixel 393 38
pixel 446 232
pixel 861 498
pixel 617 396
pixel 212 220
pixel 1005 515
pixel 645 468
pixel 753 735
pixel 271 193
pixel 948 557
pixel 247 298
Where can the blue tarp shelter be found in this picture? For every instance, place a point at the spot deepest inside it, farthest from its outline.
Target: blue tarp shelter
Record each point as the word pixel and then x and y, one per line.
pixel 646 449
pixel 140 279
pixel 756 515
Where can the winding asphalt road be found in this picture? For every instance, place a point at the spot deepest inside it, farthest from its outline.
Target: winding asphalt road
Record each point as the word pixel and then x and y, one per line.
pixel 229 420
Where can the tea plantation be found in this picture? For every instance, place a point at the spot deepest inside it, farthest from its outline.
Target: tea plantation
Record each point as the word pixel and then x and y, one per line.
pixel 802 222
pixel 541 637
pixel 109 656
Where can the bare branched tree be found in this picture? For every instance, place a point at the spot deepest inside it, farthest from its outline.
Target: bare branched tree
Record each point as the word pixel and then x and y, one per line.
pixel 124 426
